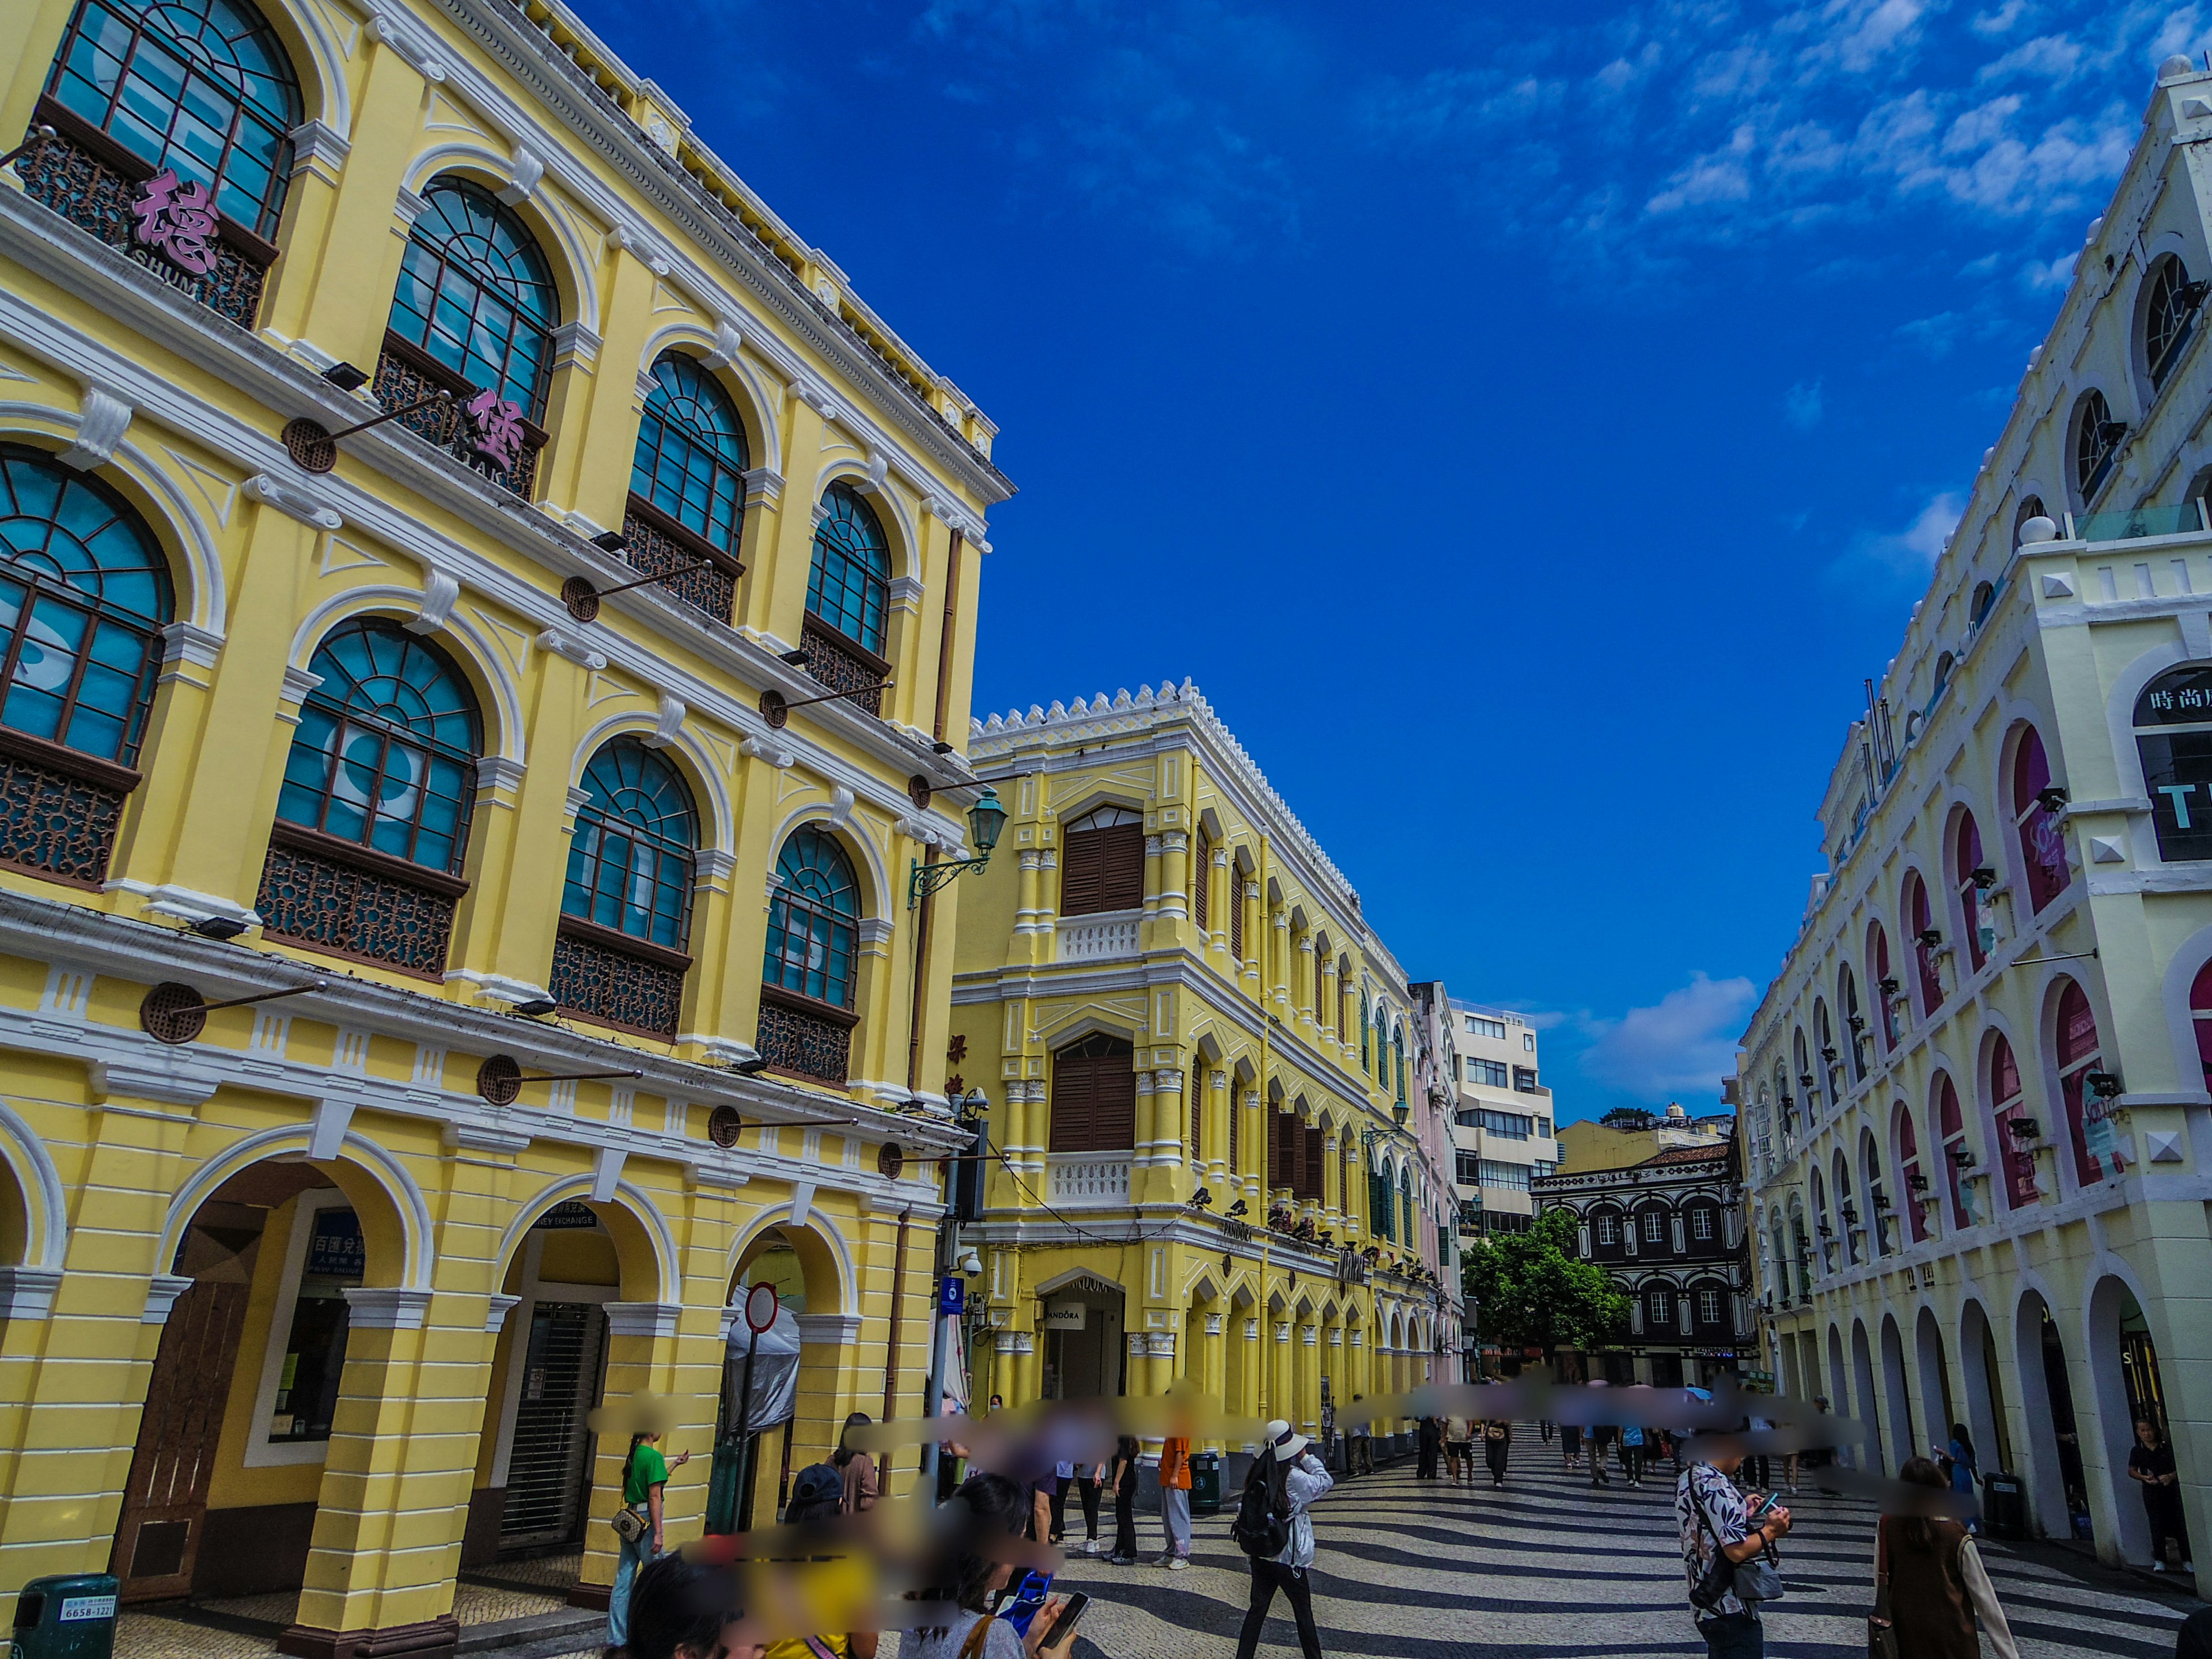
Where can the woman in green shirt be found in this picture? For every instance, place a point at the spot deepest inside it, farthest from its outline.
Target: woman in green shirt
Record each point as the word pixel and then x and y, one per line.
pixel 644 1471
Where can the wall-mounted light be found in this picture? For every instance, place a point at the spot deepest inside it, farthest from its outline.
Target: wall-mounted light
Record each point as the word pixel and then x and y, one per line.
pixel 345 377
pixel 175 1013
pixel 500 1079
pixel 536 1006
pixel 218 927
pixel 2051 797
pixel 985 818
pixel 776 707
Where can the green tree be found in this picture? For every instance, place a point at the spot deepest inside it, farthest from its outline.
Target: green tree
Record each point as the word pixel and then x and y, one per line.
pixel 1529 1291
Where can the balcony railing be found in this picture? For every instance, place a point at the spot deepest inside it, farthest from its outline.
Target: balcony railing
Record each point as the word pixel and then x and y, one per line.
pixel 1089 939
pixel 804 1037
pixel 2181 519
pixel 843 665
pixel 657 545
pixel 406 374
pixel 91 181
pixel 618 981
pixel 59 809
pixel 331 895
pixel 1088 1180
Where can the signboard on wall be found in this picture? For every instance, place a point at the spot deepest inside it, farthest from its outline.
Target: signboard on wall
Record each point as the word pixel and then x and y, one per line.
pixel 1067 1317
pixel 335 1248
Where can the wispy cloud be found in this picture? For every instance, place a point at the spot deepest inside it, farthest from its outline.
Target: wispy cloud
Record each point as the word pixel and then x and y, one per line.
pixel 1802 405
pixel 1681 1045
pixel 1910 553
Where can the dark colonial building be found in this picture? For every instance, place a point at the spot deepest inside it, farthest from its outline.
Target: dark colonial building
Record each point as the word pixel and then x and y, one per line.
pixel 1670 1231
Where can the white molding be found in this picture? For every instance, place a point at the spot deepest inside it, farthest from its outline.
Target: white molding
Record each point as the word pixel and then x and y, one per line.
pixel 840 1330
pixel 293 501
pixel 102 419
pixel 189 643
pixel 313 143
pixel 398 1308
pixel 440 593
pixel 497 1306
pixel 642 1318
pixel 162 1291
pixel 27 1292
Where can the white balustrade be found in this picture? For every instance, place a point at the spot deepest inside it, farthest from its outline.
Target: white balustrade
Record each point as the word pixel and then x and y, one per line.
pixel 1086 1179
pixel 1090 939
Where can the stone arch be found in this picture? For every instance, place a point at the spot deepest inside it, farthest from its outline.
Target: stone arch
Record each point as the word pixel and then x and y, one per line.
pixel 1982 1385
pixel 692 762
pixel 1932 1368
pixel 651 1268
pixel 317 61
pixel 820 1250
pixel 43 1244
pixel 384 1194
pixel 499 697
pixel 2041 1411
pixel 1839 1393
pixel 2110 1297
pixel 756 403
pixel 902 530
pixel 182 528
pixel 1083 1022
pixel 574 267
pixel 2191 1073
pixel 1864 1398
pixel 875 894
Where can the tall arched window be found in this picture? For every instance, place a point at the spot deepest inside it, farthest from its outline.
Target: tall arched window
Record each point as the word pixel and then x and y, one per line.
pixel 687 485
pixel 2035 819
pixel 808 983
pixel 1102 862
pixel 1847 994
pixel 1951 1127
pixel 1821 1224
pixel 2169 317
pixel 2007 1107
pixel 1919 917
pixel 1831 1061
pixel 1880 1211
pixel 2096 443
pixel 1915 1181
pixel 1885 986
pixel 1806 1078
pixel 476 295
pixel 1847 1213
pixel 84 594
pixel 848 593
pixel 626 901
pixel 2083 1083
pixel 1093 1106
pixel 200 86
pixel 2173 740
pixel 1398 1052
pixel 1968 873
pixel 373 813
pixel 1365 1062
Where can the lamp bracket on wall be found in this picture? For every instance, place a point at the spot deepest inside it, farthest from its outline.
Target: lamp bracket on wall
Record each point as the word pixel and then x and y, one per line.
pixel 776 707
pixel 314 446
pixel 172 1013
pixel 500 1079
pixel 582 596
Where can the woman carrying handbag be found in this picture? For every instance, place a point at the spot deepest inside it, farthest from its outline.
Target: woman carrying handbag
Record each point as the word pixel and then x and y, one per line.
pixel 1930 1589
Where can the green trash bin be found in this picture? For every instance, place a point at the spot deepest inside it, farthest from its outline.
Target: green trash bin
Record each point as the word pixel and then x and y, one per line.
pixel 66 1618
pixel 722 1485
pixel 1206 1484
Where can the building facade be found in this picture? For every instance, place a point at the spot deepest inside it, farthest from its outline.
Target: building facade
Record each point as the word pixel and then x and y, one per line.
pixel 1976 1091
pixel 435 978
pixel 1205 1082
pixel 1630 1134
pixel 1502 1119
pixel 1669 1231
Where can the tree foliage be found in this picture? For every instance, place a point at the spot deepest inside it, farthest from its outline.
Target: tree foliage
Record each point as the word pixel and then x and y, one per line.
pixel 1530 1291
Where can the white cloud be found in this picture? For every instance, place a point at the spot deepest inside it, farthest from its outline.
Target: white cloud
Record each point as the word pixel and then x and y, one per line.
pixel 1913 551
pixel 2057 273
pixel 1682 1045
pixel 1802 405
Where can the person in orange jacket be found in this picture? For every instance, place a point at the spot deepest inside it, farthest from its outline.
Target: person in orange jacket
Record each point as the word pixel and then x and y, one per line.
pixel 1175 1497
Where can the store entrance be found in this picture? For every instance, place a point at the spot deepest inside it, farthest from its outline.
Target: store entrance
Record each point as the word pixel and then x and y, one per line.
pixel 1085 1355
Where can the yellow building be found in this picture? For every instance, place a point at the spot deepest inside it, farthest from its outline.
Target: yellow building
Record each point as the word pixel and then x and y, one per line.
pixel 1208 1165
pixel 588 984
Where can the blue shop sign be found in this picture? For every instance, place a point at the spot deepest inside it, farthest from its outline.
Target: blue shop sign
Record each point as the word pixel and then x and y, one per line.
pixel 335 1250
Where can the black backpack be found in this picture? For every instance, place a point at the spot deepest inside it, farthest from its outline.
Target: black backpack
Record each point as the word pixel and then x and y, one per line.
pixel 1258 1530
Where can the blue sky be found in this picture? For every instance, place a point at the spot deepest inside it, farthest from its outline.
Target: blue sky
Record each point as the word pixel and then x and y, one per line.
pixel 1528 424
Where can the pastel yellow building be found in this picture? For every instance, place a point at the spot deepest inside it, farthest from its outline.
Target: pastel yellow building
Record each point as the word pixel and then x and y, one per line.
pixel 434 974
pixel 1207 1117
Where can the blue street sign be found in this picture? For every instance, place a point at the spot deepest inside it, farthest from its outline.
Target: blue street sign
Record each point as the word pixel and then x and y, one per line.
pixel 953 1294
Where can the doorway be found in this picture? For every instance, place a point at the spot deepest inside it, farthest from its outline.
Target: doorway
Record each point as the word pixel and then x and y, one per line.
pixel 1085 1355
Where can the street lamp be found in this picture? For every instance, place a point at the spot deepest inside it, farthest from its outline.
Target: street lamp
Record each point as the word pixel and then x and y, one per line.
pixel 985 819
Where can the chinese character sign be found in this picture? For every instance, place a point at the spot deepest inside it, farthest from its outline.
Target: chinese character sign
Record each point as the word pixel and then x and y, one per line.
pixel 494 429
pixel 178 220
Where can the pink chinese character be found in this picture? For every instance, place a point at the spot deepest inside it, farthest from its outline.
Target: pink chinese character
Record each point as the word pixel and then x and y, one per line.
pixel 495 429
pixel 179 218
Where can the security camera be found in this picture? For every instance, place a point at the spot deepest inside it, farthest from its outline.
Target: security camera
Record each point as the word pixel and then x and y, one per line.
pixel 971 1264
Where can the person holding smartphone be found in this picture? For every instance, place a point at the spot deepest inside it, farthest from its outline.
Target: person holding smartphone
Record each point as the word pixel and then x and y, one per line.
pixel 1712 1516
pixel 973 1582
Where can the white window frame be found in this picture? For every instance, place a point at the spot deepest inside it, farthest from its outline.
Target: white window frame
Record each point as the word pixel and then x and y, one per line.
pixel 262 1452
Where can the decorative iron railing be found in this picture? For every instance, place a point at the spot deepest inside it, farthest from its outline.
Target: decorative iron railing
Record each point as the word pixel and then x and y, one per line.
pixel 91 181
pixel 842 665
pixel 406 374
pixel 59 810
pixel 322 893
pixel 615 983
pixel 804 1037
pixel 657 545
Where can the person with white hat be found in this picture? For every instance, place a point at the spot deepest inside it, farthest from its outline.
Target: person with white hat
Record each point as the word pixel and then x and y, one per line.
pixel 1284 1479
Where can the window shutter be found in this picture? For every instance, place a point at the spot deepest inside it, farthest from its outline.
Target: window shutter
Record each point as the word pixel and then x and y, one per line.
pixel 1113 1116
pixel 1082 870
pixel 1197 1111
pixel 1316 1153
pixel 1235 1139
pixel 1121 875
pixel 1201 880
pixel 1295 1133
pixel 1073 1104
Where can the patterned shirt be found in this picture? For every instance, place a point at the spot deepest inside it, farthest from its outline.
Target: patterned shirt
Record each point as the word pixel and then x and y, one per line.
pixel 1708 1489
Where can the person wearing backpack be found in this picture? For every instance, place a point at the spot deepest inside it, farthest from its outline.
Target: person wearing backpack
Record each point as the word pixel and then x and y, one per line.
pixel 1272 1527
pixel 1719 1535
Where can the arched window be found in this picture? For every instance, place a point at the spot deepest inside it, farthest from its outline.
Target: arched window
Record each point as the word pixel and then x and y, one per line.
pixel 2096 443
pixel 849 586
pixel 84 594
pixel 1969 874
pixel 1915 1181
pixel 687 487
pixel 2035 806
pixel 631 859
pixel 1944 665
pixel 1951 1127
pixel 1985 593
pixel 808 978
pixel 477 297
pixel 1102 865
pixel 2007 1107
pixel 1831 1067
pixel 200 86
pixel 1093 1099
pixel 1822 1224
pixel 1365 1062
pixel 372 819
pixel 2083 1084
pixel 1880 1213
pixel 2031 506
pixel 1920 919
pixel 1847 994
pixel 1201 894
pixel 1806 1079
pixel 385 754
pixel 1398 1053
pixel 1847 1213
pixel 1885 986
pixel 2174 739
pixel 2169 317
pixel 2200 1018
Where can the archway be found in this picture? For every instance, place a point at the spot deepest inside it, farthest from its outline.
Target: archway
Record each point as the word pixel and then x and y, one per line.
pixel 1085 1355
pixel 273 1271
pixel 798 1261
pixel 1839 1393
pixel 2047 1398
pixel 2124 1373
pixel 1897 1397
pixel 1985 1391
pixel 1935 1378
pixel 1862 1395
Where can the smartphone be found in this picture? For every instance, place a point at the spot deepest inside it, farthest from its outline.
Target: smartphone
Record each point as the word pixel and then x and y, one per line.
pixel 1063 1629
pixel 1018 1603
pixel 1765 1503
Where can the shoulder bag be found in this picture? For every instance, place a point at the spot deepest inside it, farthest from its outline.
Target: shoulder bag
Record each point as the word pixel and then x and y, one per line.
pixel 1758 1579
pixel 1881 1635
pixel 630 1526
pixel 973 1647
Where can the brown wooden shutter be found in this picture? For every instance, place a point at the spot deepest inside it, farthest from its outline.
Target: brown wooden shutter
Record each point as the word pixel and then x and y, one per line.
pixel 1295 1133
pixel 1235 897
pixel 1202 881
pixel 1121 874
pixel 1316 1152
pixel 1073 1102
pixel 1235 1139
pixel 1082 870
pixel 1114 1118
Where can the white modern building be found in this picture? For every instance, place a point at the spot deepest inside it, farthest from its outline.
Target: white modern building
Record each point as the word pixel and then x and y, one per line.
pixel 1502 1125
